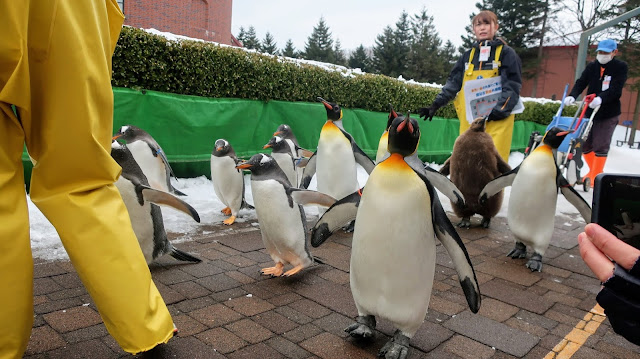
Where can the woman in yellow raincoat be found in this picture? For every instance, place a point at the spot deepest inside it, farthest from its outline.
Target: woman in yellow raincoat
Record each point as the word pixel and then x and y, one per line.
pixel 485 81
pixel 55 68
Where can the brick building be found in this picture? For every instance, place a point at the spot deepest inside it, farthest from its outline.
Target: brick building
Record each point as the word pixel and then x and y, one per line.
pixel 203 19
pixel 558 68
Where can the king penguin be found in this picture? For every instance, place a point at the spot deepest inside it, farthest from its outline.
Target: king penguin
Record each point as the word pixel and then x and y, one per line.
pixel 393 251
pixel 282 153
pixel 532 202
pixel 149 156
pixel 473 163
pixel 145 215
pixel 228 181
pixel 335 159
pixel 280 214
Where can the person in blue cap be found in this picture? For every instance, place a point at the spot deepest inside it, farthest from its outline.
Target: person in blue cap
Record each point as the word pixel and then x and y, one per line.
pixel 604 77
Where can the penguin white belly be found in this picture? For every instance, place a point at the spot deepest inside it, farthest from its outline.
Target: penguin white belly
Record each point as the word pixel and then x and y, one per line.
pixel 336 165
pixel 281 225
pixel 227 182
pixel 393 250
pixel 140 217
pixel 152 166
pixel 532 202
pixel 285 162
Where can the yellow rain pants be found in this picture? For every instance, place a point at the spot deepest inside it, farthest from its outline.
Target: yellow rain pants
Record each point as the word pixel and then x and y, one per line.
pixel 55 67
pixel 501 131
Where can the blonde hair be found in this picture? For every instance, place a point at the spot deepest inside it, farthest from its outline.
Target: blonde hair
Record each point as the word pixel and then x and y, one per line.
pixel 484 17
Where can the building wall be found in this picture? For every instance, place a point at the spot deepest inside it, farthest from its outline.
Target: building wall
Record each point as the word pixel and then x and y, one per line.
pixel 558 68
pixel 203 19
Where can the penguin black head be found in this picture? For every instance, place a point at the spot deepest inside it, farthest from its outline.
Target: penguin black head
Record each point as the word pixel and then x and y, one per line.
pixel 222 147
pixel 334 112
pixel 479 124
pixel 276 143
pixel 392 115
pixel 404 136
pixel 129 133
pixel 258 164
pixel 554 137
pixel 283 130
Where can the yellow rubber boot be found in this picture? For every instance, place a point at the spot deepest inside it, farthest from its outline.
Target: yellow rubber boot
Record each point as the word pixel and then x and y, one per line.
pixel 63 94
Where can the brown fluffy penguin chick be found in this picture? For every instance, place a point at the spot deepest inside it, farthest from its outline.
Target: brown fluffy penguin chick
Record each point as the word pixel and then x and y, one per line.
pixel 474 162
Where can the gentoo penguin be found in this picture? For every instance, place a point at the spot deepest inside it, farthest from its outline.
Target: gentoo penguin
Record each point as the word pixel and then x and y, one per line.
pixel 145 215
pixel 393 251
pixel 280 214
pixel 532 202
pixel 300 153
pixel 335 159
pixel 149 156
pixel 282 153
pixel 474 162
pixel 228 181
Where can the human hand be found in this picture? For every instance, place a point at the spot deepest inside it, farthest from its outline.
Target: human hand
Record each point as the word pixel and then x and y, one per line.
pixel 569 100
pixel 427 112
pixel 597 245
pixel 596 102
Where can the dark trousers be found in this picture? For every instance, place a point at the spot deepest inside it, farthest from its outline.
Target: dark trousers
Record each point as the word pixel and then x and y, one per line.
pixel 599 139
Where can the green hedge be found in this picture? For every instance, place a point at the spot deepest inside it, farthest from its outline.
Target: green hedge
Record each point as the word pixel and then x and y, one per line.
pixel 147 61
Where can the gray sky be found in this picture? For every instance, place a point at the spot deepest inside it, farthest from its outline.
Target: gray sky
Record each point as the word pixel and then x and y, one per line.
pixel 352 22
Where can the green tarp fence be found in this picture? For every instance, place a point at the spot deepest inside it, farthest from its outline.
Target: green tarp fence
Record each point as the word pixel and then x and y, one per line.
pixel 186 127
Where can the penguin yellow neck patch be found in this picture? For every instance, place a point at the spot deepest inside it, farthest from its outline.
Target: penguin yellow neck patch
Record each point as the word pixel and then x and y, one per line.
pixel 396 162
pixel 544 148
pixel 330 126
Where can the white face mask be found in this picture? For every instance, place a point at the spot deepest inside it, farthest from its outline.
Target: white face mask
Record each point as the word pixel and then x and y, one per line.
pixel 604 59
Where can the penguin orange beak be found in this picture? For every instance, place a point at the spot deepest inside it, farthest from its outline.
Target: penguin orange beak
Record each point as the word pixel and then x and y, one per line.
pixel 277 133
pixel 266 146
pixel 116 137
pixel 218 148
pixel 563 133
pixel 243 165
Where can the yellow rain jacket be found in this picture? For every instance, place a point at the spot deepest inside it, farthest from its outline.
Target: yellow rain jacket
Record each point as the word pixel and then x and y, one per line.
pixel 55 68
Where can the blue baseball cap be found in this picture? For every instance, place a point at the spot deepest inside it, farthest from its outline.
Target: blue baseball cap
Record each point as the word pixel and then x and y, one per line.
pixel 607 45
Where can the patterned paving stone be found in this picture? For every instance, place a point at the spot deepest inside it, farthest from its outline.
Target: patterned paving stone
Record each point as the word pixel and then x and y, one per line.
pixel 493 334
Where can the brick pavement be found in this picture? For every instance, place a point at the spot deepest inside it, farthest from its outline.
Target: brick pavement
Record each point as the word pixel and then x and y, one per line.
pixel 225 309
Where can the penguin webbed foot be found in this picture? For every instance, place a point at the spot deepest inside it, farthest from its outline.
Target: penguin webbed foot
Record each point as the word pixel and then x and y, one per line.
pixel 465 223
pixel 273 271
pixel 535 263
pixel 486 222
pixel 229 221
pixel 226 211
pixel 349 227
pixel 396 348
pixel 519 251
pixel 362 328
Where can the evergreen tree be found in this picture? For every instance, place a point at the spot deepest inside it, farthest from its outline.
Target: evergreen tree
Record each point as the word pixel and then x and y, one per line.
pixel 250 40
pixel 425 60
pixel 269 45
pixel 360 60
pixel 384 60
pixel 289 50
pixel 339 57
pixel 402 42
pixel 319 46
pixel 241 35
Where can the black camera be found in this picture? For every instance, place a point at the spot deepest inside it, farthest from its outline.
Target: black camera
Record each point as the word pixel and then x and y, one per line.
pixel 616 206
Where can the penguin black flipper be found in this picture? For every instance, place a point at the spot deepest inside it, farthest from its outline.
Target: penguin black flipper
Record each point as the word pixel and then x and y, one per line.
pixel 307 196
pixel 167 199
pixel 182 256
pixel 497 184
pixel 309 171
pixel 337 216
pixel 361 158
pixel 444 185
pixel 452 242
pixel 573 197
pixel 304 152
pixel 157 151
